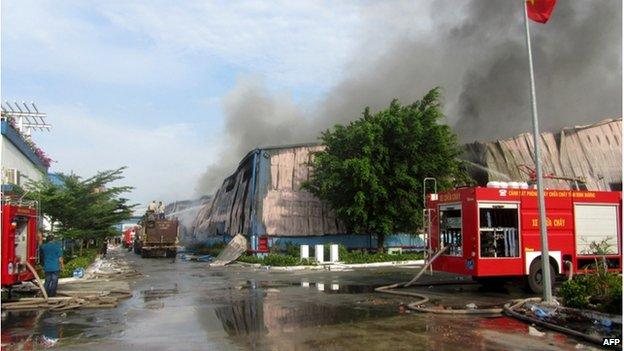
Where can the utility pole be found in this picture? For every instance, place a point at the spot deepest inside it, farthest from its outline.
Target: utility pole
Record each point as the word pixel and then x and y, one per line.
pixel 547 288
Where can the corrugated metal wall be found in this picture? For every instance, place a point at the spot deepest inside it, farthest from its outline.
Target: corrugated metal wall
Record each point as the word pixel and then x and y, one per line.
pixel 282 207
pixel 286 209
pixel 591 152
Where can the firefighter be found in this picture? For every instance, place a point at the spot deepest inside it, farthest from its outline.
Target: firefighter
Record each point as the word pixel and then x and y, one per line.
pixel 161 210
pixel 152 207
pixel 104 249
pixel 52 263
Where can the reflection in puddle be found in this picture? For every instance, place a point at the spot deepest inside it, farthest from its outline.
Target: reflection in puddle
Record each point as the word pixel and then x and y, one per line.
pixel 256 313
pixel 32 330
pixel 335 288
pixel 331 287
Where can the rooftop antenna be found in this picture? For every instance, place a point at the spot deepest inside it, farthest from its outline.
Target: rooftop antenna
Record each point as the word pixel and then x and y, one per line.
pixel 26 119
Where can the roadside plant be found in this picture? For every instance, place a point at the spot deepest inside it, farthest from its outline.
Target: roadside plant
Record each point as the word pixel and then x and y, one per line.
pixel 597 288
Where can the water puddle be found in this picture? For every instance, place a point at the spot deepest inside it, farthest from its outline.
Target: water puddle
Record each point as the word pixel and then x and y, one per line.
pixel 34 330
pixel 337 288
pixel 250 316
pixel 330 287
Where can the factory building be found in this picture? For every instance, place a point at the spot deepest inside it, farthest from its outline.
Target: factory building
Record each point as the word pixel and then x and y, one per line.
pixel 263 199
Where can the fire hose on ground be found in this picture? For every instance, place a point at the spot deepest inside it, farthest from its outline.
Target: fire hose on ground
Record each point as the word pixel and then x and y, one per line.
pixel 508 309
pixel 417 305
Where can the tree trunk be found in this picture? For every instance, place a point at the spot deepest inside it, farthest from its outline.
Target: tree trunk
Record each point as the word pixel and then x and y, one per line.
pixel 381 238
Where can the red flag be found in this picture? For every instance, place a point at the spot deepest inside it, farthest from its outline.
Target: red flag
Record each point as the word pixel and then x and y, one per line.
pixel 540 10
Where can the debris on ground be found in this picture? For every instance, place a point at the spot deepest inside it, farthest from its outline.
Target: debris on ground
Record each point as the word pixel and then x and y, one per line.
pixel 102 285
pixel 196 258
pixel 233 250
pixel 590 325
pixel 69 301
pixel 534 332
pixel 110 268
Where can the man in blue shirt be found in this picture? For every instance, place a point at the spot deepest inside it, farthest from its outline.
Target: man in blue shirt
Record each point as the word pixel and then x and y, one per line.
pixel 52 259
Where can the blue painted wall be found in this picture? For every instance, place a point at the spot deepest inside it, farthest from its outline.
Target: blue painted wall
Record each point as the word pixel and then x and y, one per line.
pixel 350 241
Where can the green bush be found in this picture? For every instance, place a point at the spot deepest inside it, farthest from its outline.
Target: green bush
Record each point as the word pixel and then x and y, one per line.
pixel 273 259
pixel 281 260
pixel 250 259
pixel 293 250
pixel 88 256
pixel 365 257
pixel 290 257
pixel 576 292
pixel 598 290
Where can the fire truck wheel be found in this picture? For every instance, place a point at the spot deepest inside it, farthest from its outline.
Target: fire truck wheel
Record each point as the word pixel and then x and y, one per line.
pixel 535 278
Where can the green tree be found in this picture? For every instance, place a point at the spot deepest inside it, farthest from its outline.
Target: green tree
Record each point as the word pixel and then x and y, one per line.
pixel 82 208
pixel 371 171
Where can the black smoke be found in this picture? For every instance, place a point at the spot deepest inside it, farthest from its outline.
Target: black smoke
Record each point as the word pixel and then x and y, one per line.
pixel 475 50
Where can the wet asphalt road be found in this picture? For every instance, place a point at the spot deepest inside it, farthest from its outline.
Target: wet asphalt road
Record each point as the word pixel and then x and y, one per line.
pixel 180 305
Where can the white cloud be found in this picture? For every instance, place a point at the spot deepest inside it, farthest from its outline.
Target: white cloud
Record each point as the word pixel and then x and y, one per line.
pixel 294 44
pixel 163 161
pixel 68 39
pixel 283 40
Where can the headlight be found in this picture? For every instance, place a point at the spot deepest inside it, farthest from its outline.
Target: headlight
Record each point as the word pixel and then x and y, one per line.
pixel 10 268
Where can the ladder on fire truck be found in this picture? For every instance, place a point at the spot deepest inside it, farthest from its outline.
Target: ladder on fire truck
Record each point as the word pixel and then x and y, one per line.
pixel 427 218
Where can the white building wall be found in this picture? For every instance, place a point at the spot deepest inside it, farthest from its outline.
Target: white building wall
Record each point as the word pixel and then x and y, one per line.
pixel 11 157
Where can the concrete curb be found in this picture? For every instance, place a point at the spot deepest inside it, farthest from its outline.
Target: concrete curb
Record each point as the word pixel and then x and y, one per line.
pixel 341 266
pixel 293 268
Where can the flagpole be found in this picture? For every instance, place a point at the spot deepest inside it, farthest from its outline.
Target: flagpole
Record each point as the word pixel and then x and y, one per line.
pixel 547 288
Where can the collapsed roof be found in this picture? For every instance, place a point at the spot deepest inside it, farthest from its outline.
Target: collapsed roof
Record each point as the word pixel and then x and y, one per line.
pixel 591 155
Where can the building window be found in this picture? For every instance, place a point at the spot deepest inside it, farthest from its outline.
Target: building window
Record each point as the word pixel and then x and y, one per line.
pixel 451 229
pixel 498 230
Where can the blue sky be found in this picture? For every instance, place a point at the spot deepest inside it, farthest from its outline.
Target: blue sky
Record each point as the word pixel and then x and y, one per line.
pixel 141 83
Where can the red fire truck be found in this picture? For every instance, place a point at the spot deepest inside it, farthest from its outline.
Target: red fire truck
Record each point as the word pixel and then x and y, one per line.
pixel 128 236
pixel 492 234
pixel 19 241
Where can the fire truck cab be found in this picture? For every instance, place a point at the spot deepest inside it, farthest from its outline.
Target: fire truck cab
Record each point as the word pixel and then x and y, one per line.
pixel 493 233
pixel 19 241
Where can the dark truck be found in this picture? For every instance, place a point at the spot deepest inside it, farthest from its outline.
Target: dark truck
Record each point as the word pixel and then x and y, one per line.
pixel 157 237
